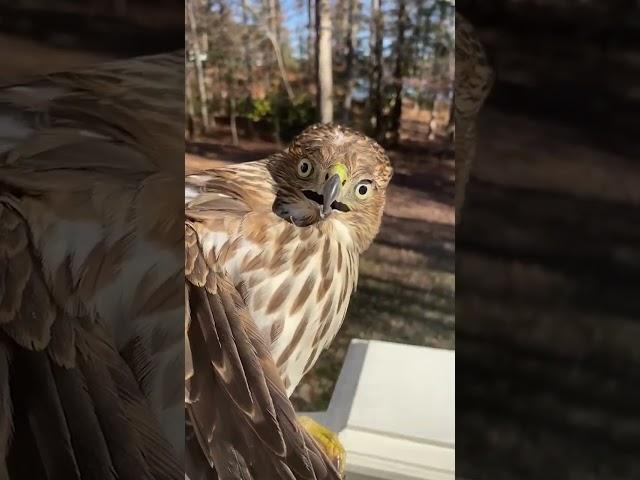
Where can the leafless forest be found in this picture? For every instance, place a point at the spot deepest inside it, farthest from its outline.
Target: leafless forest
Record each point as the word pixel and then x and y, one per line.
pixel 259 71
pixel 275 66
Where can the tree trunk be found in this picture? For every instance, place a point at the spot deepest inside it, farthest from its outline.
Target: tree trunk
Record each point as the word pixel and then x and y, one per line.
pixel 273 18
pixel 398 73
pixel 232 116
pixel 281 66
pixel 375 92
pixel 311 55
pixel 271 36
pixel 341 26
pixel 190 108
pixel 325 66
pixel 352 31
pixel 204 110
pixel 247 52
pixel 248 65
pixel 273 9
pixel 278 22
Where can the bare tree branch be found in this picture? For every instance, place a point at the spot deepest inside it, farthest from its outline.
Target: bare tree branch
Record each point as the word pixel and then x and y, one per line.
pixel 325 65
pixel 271 35
pixel 204 110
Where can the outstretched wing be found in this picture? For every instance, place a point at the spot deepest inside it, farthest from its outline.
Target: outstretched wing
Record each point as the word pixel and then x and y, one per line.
pixel 242 425
pixel 86 163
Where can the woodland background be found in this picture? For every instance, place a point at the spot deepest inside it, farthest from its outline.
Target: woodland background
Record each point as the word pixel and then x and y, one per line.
pixel 272 67
pixel 269 68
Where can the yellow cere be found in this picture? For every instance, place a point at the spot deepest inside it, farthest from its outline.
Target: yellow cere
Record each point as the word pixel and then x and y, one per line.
pixel 341 170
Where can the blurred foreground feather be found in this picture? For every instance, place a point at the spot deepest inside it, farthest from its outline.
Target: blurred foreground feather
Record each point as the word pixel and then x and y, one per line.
pixel 91 299
pixel 473 81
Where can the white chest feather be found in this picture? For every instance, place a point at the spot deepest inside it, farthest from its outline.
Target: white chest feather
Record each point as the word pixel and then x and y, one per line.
pixel 298 289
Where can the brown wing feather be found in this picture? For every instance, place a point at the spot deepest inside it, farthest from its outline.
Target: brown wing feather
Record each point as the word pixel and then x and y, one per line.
pixel 99 147
pixel 238 409
pixel 63 382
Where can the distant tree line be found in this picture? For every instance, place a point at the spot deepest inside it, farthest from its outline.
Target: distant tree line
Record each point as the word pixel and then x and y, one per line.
pixel 288 63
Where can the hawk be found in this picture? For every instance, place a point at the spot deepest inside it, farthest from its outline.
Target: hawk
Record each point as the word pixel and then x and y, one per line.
pixel 473 81
pixel 272 251
pixel 91 269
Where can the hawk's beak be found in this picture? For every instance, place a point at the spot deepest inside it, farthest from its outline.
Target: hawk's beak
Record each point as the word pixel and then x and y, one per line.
pixel 337 177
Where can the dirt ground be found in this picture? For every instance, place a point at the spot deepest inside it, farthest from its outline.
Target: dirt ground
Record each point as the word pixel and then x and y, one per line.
pixel 406 290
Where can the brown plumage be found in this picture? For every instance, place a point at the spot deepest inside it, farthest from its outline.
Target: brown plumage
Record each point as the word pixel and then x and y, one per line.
pixel 299 220
pixel 473 81
pixel 90 273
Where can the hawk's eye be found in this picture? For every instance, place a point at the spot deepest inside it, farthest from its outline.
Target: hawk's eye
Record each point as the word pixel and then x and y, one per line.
pixel 304 168
pixel 364 189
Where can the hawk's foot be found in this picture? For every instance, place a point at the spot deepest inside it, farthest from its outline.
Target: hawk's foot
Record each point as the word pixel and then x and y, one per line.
pixel 327 440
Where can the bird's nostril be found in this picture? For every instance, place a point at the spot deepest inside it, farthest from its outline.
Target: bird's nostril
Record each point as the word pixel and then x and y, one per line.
pixel 326 176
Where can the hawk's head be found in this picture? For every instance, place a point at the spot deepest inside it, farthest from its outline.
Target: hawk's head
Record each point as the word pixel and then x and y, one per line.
pixel 331 173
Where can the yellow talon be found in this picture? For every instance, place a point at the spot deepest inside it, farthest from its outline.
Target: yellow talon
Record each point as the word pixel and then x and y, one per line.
pixel 328 440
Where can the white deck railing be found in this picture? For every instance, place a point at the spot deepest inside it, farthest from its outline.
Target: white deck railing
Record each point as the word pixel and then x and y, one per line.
pixel 394 410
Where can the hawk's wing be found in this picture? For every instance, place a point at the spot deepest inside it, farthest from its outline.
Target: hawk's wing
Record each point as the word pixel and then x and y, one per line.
pixel 83 158
pixel 68 400
pixel 240 418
